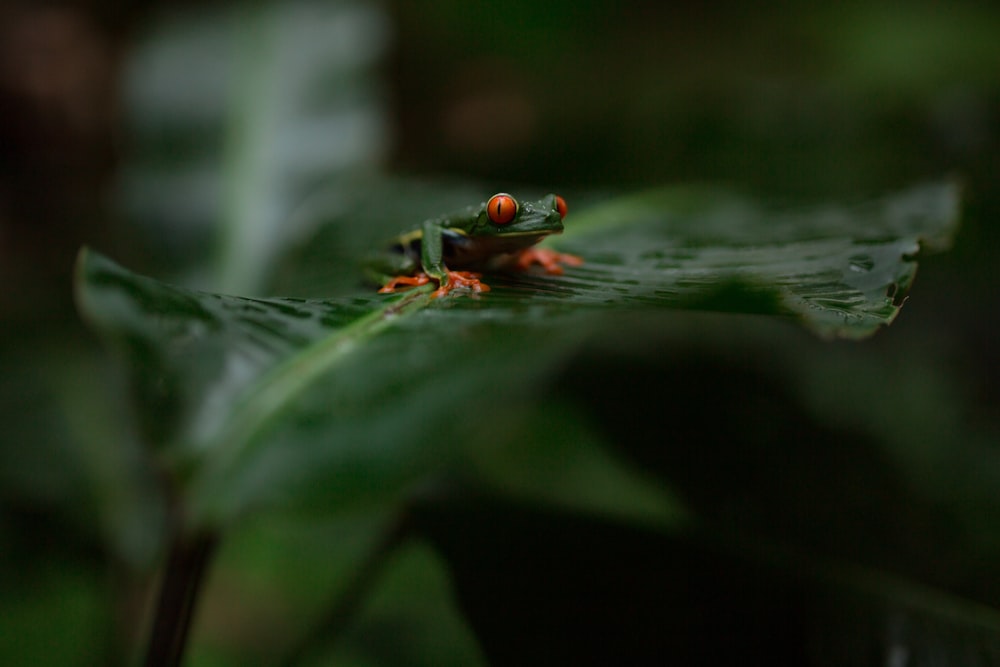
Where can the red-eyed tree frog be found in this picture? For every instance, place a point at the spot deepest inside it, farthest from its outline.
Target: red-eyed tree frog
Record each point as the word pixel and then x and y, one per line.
pixel 496 235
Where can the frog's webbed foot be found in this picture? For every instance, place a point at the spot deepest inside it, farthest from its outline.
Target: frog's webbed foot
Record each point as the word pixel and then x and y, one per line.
pixel 550 260
pixel 451 280
pixel 466 279
pixel 405 281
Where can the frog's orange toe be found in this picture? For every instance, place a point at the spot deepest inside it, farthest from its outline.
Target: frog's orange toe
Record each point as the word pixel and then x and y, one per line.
pixel 550 260
pixel 404 281
pixel 466 279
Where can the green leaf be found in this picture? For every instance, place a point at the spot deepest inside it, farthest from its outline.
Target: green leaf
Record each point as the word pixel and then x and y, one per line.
pixel 252 399
pixel 211 372
pixel 235 114
pixel 843 270
pixel 249 399
pixel 56 613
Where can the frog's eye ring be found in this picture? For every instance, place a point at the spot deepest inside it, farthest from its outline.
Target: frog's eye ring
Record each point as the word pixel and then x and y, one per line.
pixel 561 206
pixel 501 208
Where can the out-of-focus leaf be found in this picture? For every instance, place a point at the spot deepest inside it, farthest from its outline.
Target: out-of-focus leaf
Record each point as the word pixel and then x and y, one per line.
pixel 579 590
pixel 410 618
pixel 55 612
pixel 557 457
pixel 725 416
pixel 236 113
pixel 69 450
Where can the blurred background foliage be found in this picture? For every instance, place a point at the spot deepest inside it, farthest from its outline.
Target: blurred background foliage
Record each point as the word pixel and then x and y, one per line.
pixel 212 144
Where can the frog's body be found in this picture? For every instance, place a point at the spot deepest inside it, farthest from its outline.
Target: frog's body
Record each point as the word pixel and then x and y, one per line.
pixel 461 251
pixel 498 233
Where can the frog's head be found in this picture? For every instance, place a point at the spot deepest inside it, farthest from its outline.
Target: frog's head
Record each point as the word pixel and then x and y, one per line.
pixel 503 215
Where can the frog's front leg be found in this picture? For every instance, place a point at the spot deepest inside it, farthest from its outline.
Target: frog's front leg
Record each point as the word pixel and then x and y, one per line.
pixel 432 259
pixel 402 265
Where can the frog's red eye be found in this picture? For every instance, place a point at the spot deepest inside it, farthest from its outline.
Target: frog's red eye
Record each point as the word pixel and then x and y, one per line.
pixel 501 208
pixel 561 206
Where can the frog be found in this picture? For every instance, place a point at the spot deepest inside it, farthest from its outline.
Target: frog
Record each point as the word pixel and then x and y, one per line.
pixel 454 250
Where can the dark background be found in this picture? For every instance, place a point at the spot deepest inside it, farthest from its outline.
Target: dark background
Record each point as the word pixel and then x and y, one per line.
pixel 792 103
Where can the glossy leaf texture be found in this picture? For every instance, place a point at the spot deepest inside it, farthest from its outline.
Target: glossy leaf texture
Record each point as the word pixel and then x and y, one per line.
pixel 582 393
pixel 843 270
pixel 243 396
pixel 252 399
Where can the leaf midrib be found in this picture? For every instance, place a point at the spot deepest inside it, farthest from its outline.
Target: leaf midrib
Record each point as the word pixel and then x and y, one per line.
pixel 278 389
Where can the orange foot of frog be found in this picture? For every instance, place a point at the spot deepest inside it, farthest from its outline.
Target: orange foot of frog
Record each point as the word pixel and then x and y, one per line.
pixel 404 281
pixel 461 279
pixel 549 260
pixel 454 279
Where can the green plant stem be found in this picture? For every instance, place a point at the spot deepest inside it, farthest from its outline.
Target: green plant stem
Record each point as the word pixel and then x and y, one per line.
pixel 186 566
